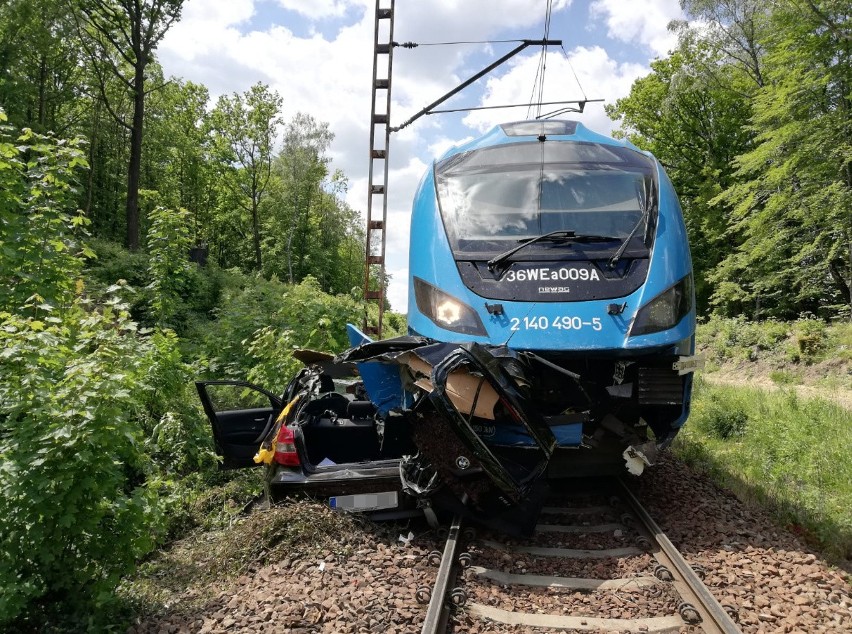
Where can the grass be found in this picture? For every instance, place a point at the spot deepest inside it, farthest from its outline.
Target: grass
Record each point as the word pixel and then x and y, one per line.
pixel 791 455
pixel 785 377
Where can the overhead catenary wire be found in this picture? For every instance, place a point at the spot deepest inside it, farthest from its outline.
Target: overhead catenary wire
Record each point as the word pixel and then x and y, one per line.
pixel 581 104
pixel 571 66
pixel 537 94
pixel 417 44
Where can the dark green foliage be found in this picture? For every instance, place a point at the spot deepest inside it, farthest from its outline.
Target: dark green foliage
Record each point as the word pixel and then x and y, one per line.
pixel 723 338
pixel 74 512
pixel 199 290
pixel 39 227
pixel 751 116
pixel 112 263
pixel 40 65
pixel 810 338
pixel 168 267
pixel 720 419
pixel 176 430
pixel 395 325
pixel 807 340
pixel 262 321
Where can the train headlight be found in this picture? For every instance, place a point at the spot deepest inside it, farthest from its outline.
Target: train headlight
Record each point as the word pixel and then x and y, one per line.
pixel 665 310
pixel 447 311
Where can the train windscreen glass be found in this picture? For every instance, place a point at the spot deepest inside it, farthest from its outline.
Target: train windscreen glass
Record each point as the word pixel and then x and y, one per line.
pixel 494 197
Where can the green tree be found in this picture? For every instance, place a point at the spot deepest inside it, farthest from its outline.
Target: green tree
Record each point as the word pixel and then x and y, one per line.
pixel 120 37
pixel 793 191
pixel 170 270
pixel 691 113
pixel 303 166
pixel 179 164
pixel 245 127
pixel 40 65
pixel 734 29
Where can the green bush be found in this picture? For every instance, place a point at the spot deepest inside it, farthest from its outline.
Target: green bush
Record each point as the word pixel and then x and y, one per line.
pixel 734 338
pixel 168 267
pixel 722 418
pixel 784 377
pixel 395 324
pixel 192 303
pixel 177 432
pixel 75 513
pixel 112 262
pixel 810 338
pixel 40 230
pixel 261 321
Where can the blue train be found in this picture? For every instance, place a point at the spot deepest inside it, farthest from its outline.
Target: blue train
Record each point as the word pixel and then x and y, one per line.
pixel 551 318
pixel 550 240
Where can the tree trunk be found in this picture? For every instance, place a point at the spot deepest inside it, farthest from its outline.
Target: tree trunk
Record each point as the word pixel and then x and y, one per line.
pixel 93 146
pixel 255 230
pixel 42 79
pixel 133 170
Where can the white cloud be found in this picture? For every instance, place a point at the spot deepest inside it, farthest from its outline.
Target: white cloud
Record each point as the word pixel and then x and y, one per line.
pixel 206 27
pixel 225 46
pixel 316 9
pixel 643 21
pixel 599 75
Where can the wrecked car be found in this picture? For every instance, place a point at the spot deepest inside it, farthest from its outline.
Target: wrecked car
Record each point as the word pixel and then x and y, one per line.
pixel 320 436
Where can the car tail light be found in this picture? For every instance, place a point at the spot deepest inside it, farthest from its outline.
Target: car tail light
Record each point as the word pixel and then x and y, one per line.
pixel 285 448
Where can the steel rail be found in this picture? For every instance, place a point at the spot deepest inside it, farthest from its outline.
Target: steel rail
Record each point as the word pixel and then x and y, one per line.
pixel 713 617
pixel 715 620
pixel 437 613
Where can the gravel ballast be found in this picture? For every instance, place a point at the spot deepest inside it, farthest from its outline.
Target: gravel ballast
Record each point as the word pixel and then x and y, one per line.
pixel 766 573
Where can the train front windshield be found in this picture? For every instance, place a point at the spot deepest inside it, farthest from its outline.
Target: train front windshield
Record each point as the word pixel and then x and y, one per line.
pixel 494 197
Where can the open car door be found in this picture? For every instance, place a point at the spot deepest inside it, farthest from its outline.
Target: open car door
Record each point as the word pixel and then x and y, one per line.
pixel 241 415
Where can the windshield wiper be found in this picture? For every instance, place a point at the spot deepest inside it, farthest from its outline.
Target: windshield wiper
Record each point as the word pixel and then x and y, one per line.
pixel 648 203
pixel 562 235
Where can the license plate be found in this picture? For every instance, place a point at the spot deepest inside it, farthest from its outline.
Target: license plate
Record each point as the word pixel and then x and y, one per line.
pixel 685 365
pixel 364 501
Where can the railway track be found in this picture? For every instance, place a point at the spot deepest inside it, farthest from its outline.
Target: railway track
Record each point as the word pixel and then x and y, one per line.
pixel 648 579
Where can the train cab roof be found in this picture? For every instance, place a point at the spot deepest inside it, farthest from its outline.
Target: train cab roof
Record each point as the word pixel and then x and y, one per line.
pixel 526 131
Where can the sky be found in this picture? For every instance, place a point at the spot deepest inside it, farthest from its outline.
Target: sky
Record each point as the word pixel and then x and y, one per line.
pixel 318 55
